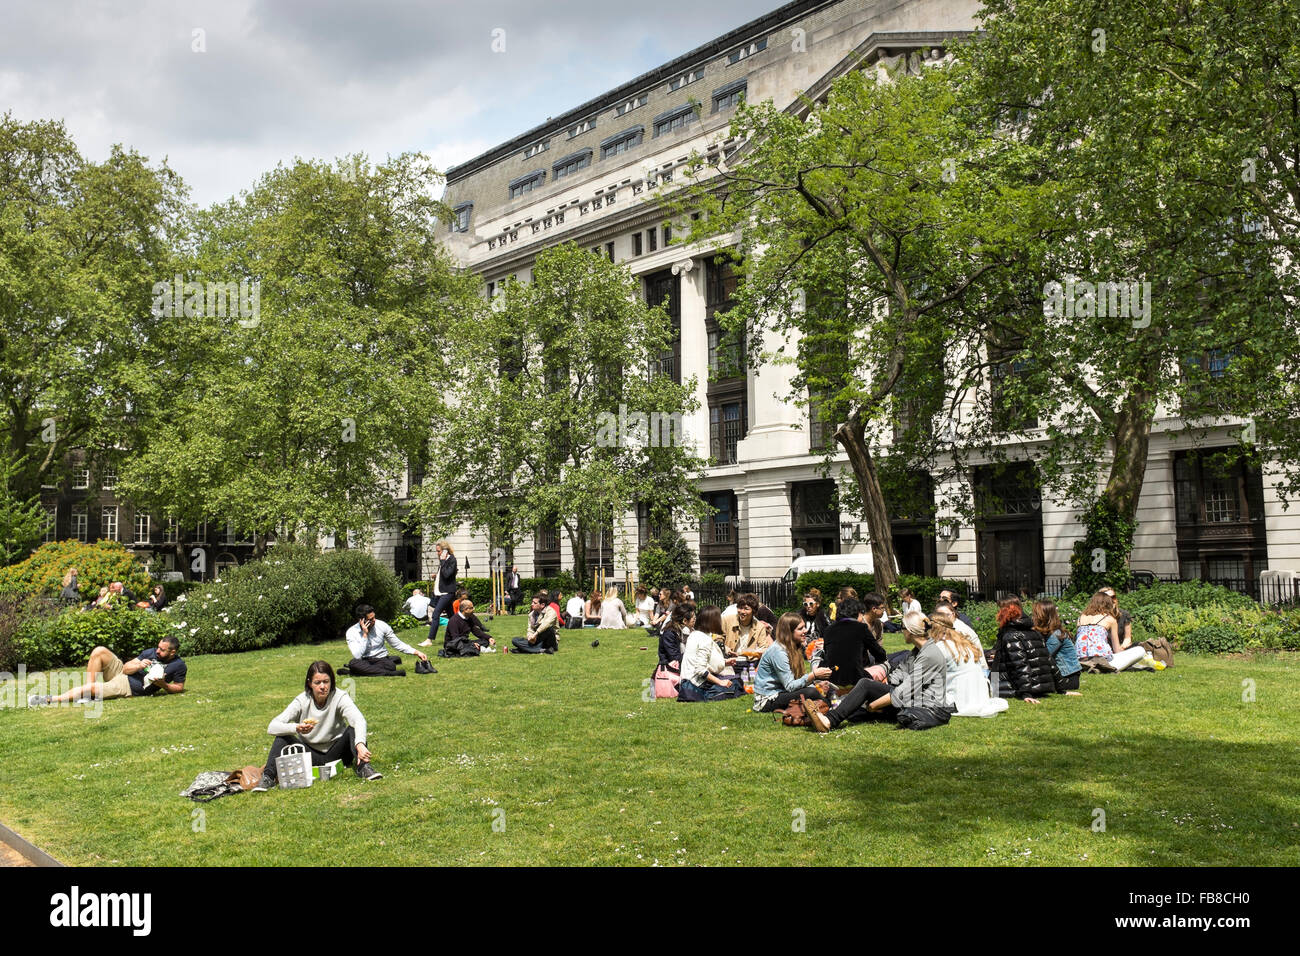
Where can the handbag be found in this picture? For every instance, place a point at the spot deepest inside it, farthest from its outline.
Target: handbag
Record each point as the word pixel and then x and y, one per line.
pixel 293 767
pixel 793 715
pixel 1160 649
pixel 666 677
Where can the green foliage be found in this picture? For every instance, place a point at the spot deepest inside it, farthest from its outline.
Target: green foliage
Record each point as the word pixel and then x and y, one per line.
pixel 69 638
pixel 294 595
pixel 1212 639
pixel 98 563
pixel 300 416
pixel 713 579
pixel 19 617
pixel 666 562
pixel 1101 557
pixel 21 521
pixel 1186 594
pixel 555 411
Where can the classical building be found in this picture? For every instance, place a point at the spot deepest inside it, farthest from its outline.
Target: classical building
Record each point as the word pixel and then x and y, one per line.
pixel 585 176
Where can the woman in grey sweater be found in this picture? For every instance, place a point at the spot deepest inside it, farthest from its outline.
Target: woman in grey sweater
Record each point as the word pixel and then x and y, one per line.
pixel 918 680
pixel 326 720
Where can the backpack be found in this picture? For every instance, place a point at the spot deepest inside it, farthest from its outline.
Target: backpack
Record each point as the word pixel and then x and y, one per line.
pixel 1160 649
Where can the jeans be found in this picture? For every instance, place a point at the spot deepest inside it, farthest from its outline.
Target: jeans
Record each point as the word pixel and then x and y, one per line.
pixel 784 698
pixel 442 608
pixel 345 749
pixel 690 692
pixel 862 694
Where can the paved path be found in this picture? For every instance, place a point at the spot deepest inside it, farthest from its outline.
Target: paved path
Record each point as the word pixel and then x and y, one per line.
pixel 10 857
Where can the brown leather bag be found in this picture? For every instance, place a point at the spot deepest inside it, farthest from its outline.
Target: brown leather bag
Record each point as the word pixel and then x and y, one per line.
pixel 246 778
pixel 1160 649
pixel 792 715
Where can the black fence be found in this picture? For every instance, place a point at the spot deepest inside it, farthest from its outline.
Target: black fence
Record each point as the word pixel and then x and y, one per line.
pixel 774 592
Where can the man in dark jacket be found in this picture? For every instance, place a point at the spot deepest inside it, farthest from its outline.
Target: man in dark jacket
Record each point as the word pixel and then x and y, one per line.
pixel 465 635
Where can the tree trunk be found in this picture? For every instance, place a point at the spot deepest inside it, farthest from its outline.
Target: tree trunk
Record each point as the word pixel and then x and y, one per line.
pixel 1132 441
pixel 853 437
pixel 578 540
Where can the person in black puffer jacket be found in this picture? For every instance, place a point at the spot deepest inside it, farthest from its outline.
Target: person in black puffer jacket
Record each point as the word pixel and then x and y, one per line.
pixel 1020 655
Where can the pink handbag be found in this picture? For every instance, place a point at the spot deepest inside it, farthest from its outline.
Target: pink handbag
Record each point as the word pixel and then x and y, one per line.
pixel 666 679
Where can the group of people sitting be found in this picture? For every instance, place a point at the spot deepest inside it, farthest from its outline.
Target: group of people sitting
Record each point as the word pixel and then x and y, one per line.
pixel 111 595
pixel 606 611
pixel 815 658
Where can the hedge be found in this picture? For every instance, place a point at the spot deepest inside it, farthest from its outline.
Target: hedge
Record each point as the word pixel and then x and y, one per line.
pixel 68 638
pixel 97 563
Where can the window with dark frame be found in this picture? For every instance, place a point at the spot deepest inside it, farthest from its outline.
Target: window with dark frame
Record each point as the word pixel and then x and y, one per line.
pixel 674 119
pixel 621 142
pixel 526 184
pixel 568 165
pixel 652 239
pixel 636 243
pixel 729 96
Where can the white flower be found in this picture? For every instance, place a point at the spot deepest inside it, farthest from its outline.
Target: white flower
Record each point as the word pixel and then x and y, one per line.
pixel 286 587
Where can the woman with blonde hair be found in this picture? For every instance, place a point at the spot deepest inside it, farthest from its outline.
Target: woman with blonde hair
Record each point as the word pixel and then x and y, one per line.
pixel 444 590
pixel 914 684
pixel 613 613
pixel 967 683
pixel 69 592
pixel 781 676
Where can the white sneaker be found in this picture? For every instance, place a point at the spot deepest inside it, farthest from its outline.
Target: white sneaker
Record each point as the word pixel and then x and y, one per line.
pixel 425 643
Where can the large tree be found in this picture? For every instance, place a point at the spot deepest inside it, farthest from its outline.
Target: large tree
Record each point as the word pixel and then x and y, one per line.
pixel 558 418
pixel 875 226
pixel 301 417
pixel 81 243
pixel 1148 120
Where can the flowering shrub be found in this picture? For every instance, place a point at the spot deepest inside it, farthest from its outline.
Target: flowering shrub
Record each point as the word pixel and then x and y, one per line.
pixel 97 563
pixel 291 596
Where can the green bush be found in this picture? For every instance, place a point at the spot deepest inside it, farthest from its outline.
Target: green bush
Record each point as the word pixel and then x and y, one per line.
pixel 19 617
pixel 1185 593
pixel 1213 639
pixel 1280 631
pixel 667 562
pixel 68 638
pixel 291 596
pixel 984 617
pixel 98 563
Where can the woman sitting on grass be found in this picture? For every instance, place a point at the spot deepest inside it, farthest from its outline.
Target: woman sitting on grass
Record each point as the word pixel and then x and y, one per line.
pixel 672 639
pixel 703 663
pixel 1047 621
pixel 613 613
pixel 967 682
pixel 1020 655
pixel 592 610
pixel 1097 637
pixel 326 720
pixel 915 682
pixel 780 678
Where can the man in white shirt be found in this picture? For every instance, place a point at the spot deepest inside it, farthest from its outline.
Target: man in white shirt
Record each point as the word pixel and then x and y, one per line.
pixel 366 640
pixel 574 611
pixel 418 606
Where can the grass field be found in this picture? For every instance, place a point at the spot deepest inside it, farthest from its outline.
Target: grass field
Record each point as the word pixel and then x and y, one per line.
pixel 513 759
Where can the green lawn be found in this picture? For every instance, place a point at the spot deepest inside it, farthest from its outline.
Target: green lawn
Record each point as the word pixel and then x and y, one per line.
pixel 557 759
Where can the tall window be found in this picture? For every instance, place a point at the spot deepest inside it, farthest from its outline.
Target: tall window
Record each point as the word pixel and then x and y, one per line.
pixel 108 523
pixel 51 523
pixel 1219 518
pixel 461 213
pixel 726 428
pixel 663 289
pixel 80 523
pixel 81 479
pixel 1009 409
pixel 108 479
pixel 171 531
pixel 141 528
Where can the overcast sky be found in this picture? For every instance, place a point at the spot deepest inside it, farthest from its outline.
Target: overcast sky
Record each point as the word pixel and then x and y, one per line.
pixel 318 79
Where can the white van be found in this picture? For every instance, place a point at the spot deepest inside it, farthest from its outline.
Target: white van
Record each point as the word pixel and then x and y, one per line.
pixel 857 563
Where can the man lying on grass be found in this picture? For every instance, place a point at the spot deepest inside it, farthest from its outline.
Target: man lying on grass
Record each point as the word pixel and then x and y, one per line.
pixel 107 677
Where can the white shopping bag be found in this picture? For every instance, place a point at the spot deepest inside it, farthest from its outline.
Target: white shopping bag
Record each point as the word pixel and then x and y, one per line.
pixel 293 767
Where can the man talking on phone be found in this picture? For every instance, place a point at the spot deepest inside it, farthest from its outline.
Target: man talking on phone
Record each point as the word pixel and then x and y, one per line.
pixel 366 640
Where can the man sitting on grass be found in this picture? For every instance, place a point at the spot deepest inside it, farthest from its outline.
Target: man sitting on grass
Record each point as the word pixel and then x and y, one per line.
pixel 152 670
pixel 366 640
pixel 542 625
pixel 465 636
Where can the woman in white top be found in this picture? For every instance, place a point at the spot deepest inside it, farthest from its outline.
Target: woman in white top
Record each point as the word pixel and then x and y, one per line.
pixel 967 685
pixel 908 604
pixel 703 662
pixel 645 607
pixel 613 615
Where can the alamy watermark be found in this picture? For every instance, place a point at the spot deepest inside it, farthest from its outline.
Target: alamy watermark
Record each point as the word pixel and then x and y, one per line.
pixel 640 429
pixel 16 690
pixel 1115 300
pixel 176 298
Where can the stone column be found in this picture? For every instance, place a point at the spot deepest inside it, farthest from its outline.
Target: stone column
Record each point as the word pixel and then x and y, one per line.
pixel 766 549
pixel 695 349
